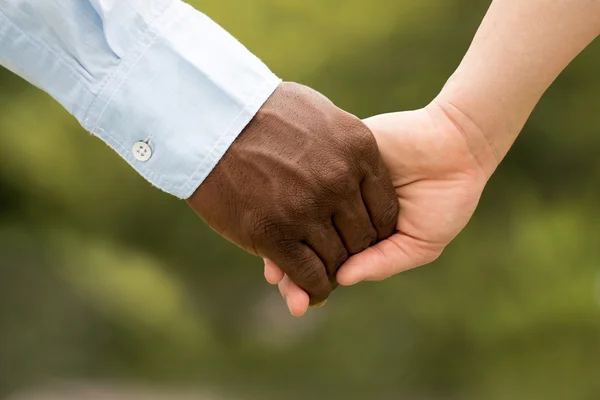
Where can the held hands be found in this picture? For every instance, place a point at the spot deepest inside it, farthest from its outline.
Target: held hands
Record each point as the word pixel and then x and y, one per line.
pixel 303 185
pixel 439 160
pixel 439 163
pixel 306 187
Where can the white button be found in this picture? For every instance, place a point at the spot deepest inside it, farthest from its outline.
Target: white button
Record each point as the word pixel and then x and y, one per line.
pixel 141 151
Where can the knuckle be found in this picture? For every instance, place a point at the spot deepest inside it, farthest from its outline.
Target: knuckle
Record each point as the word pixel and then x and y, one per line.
pixel 368 239
pixel 387 217
pixel 342 181
pixel 336 181
pixel 301 266
pixel 276 229
pixel 371 237
pixel 361 147
pixel 338 171
pixel 343 187
pixel 363 140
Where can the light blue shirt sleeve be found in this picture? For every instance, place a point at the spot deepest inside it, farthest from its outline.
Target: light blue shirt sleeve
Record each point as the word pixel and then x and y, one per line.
pixel 158 81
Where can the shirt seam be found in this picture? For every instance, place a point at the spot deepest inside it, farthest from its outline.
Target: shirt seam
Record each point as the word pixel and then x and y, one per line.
pixel 146 34
pixel 40 43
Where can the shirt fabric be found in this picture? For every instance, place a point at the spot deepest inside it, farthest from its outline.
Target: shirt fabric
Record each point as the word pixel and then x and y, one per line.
pixel 131 71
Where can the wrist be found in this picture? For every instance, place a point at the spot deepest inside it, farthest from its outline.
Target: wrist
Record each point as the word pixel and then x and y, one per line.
pixel 484 121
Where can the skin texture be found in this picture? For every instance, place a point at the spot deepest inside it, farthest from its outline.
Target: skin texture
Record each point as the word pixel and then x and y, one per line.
pixel 303 185
pixel 441 157
pixel 438 183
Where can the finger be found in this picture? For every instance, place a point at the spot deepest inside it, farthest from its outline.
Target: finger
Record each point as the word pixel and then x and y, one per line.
pixel 397 254
pixel 381 201
pixel 297 300
pixel 327 244
pixel 354 225
pixel 273 274
pixel 305 269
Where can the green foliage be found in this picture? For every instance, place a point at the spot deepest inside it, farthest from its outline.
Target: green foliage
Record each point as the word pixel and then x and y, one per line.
pixel 103 277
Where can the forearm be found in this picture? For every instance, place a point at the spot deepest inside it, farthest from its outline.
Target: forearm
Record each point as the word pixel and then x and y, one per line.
pixel 519 50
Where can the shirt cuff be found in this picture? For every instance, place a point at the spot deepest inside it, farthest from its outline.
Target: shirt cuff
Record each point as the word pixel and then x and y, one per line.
pixel 179 98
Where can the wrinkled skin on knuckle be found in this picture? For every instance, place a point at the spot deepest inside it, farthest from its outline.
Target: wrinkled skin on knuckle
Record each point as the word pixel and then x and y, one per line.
pixel 369 239
pixel 332 188
pixel 387 217
pixel 329 247
pixel 343 179
pixel 365 141
pixel 307 268
pixel 360 143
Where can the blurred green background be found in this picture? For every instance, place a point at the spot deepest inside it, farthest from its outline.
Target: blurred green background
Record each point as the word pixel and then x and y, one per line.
pixel 107 281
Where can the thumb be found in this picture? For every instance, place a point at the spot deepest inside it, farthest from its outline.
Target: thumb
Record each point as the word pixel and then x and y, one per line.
pixel 397 254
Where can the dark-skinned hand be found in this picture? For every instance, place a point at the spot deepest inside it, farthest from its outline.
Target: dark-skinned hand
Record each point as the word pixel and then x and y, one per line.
pixel 303 185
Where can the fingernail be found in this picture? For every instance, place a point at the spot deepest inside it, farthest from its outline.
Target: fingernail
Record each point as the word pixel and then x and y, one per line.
pixel 322 304
pixel 287 302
